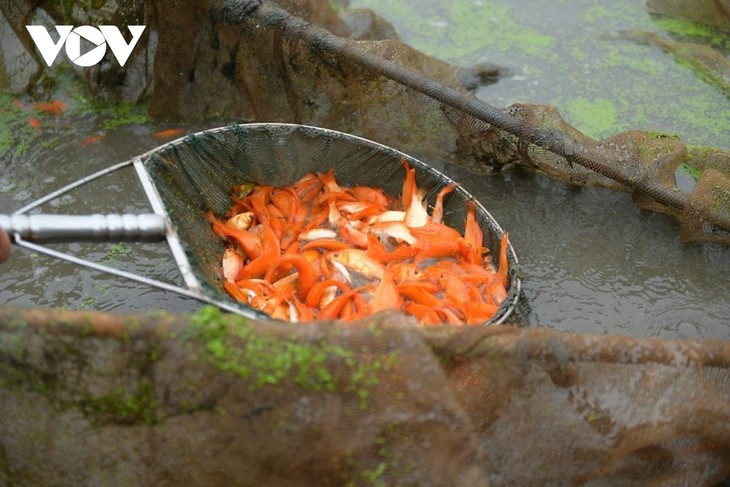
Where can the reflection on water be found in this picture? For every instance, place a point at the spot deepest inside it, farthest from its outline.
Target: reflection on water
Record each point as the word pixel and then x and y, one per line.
pixel 595 263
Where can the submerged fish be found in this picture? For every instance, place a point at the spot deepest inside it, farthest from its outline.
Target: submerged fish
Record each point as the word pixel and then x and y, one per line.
pixel 92 140
pixel 169 133
pixel 55 107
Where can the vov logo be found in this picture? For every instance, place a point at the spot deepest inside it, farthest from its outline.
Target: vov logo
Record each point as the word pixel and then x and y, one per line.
pixel 71 37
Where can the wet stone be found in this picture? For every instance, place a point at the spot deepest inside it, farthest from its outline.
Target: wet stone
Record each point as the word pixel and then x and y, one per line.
pixel 715 13
pixel 18 69
pixel 365 24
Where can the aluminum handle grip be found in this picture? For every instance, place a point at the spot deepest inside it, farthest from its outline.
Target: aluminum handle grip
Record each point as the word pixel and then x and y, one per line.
pixel 70 228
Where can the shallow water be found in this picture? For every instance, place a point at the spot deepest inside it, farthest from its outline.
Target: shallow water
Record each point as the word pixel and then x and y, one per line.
pixel 595 263
pixel 570 54
pixel 31 279
pixel 592 261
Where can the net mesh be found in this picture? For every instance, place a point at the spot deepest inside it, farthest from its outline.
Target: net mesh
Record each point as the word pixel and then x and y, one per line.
pixel 196 174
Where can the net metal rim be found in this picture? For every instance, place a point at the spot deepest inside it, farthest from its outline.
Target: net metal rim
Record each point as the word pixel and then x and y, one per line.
pixel 514 293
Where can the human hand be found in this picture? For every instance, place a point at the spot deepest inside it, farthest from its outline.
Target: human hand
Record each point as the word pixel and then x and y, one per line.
pixel 6 247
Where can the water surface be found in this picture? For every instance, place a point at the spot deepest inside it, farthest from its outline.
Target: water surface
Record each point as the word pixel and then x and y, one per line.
pixel 592 261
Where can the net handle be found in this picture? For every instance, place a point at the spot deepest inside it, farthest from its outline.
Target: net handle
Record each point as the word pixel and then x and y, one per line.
pixel 69 228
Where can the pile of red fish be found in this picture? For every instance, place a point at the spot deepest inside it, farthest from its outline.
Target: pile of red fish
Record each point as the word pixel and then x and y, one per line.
pixel 317 250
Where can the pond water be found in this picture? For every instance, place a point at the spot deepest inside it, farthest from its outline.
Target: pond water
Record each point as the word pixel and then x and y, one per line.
pixel 570 54
pixel 592 261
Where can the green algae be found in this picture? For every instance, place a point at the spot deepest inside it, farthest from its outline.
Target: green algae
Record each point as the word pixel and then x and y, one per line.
pixel 645 93
pixel 122 114
pixel 694 31
pixel 121 407
pixel 705 62
pixel 690 170
pixel 585 60
pixel 345 465
pixel 117 250
pixel 234 344
pixel 264 360
pixel 460 30
pixel 596 118
pixel 375 476
pixel 684 27
pixel 608 16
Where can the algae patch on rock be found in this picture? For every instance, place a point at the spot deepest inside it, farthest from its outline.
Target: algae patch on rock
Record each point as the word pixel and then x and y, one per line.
pixel 123 408
pixel 235 344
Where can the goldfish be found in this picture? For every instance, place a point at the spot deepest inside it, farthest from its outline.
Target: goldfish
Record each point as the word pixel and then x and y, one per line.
pixel 398 231
pixel 232 263
pixel 169 133
pixel 92 140
pixel 357 260
pixel 386 295
pixel 317 250
pixel 438 209
pixel 241 221
pixel 305 276
pixel 54 107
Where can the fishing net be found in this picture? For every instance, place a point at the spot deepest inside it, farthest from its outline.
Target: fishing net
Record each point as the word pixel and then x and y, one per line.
pixel 195 175
pixel 97 399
